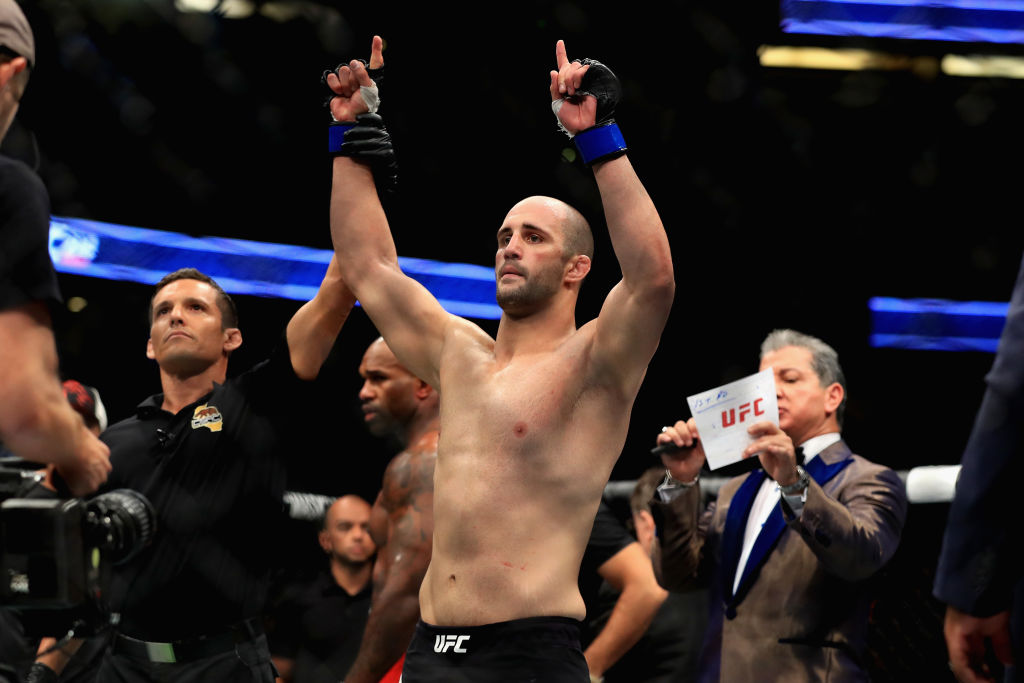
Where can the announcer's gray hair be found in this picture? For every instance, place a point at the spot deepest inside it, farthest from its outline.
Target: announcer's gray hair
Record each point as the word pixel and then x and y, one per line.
pixel 824 359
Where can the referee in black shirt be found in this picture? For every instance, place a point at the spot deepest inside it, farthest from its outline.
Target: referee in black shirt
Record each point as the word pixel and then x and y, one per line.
pixel 209 454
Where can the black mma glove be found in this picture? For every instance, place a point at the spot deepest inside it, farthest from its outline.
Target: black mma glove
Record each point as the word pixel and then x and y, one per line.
pixel 603 140
pixel 601 83
pixel 367 140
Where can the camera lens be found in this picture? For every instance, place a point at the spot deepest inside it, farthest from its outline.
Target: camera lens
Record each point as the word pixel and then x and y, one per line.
pixel 121 523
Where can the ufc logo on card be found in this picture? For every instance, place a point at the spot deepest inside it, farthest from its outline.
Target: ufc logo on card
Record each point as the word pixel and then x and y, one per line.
pixel 450 642
pixel 729 416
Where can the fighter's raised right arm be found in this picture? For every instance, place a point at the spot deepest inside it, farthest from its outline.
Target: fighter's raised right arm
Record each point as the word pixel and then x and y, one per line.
pixel 404 312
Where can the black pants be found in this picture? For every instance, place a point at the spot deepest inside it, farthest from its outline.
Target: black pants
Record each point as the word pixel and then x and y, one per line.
pixel 533 650
pixel 249 662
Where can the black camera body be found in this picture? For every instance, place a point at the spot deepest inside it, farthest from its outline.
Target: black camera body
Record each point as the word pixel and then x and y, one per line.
pixel 56 554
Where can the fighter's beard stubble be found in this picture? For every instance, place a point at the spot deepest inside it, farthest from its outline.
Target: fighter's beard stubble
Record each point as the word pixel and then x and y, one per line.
pixel 527 297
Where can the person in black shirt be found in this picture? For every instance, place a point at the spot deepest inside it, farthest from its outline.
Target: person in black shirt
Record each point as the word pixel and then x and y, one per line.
pixel 619 590
pixel 210 454
pixel 318 625
pixel 669 650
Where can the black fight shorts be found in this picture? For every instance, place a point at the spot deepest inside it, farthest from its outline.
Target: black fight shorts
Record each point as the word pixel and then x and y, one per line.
pixel 532 650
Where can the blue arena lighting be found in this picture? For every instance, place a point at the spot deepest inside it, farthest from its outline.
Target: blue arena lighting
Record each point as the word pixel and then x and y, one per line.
pixel 970 21
pixel 937 324
pixel 120 252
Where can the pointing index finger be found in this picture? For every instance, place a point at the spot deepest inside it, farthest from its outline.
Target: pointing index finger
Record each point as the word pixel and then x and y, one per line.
pixel 376 53
pixel 560 57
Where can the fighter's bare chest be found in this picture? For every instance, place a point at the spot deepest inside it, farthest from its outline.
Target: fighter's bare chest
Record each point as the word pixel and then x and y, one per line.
pixel 529 395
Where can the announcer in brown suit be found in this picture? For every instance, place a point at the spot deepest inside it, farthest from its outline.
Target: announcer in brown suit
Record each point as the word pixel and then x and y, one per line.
pixel 788 547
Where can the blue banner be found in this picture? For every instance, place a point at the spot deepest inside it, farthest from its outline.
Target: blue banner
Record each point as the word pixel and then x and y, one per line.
pixel 120 252
pixel 970 21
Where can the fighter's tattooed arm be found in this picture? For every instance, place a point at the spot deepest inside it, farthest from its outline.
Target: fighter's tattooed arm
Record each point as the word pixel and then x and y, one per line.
pixel 407 496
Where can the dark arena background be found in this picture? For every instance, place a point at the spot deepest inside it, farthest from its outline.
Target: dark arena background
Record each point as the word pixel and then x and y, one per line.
pixel 791 196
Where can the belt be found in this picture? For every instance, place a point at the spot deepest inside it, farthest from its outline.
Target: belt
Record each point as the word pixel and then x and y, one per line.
pixel 189 649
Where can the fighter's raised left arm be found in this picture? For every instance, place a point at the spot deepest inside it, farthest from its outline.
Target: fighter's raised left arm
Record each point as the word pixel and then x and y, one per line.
pixel 314 328
pixel 634 314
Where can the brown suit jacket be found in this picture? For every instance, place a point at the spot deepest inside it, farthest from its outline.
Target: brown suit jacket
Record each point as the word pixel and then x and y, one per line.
pixel 801 613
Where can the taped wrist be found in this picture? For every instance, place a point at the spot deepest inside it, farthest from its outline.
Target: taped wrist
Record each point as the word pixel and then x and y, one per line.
pixel 370 93
pixel 600 143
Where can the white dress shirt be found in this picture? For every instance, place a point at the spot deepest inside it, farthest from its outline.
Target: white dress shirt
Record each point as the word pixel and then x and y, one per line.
pixel 768 497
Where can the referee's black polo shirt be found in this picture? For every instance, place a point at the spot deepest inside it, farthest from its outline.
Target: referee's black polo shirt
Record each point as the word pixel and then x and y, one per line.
pixel 215 474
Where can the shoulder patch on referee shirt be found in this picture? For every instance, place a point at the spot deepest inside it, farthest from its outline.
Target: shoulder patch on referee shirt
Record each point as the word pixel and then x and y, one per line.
pixel 207 416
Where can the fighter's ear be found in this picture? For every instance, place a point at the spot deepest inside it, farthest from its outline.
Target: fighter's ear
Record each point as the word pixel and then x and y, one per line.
pixel 578 267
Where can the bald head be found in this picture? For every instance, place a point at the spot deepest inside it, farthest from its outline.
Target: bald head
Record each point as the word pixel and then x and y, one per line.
pixel 346 531
pixel 379 354
pixel 392 397
pixel 346 507
pixel 578 239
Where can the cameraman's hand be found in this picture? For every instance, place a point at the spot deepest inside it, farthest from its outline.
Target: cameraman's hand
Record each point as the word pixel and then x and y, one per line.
pixel 90 468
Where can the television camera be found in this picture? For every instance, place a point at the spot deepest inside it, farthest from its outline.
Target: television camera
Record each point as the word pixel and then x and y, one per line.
pixel 56 553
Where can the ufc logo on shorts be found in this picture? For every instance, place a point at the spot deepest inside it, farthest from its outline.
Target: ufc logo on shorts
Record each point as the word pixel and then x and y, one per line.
pixel 450 642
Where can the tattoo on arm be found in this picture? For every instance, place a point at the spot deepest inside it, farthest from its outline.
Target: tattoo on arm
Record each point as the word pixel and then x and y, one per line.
pixel 401 563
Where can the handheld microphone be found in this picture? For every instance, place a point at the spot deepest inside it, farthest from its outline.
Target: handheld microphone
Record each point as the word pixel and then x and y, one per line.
pixel 670 447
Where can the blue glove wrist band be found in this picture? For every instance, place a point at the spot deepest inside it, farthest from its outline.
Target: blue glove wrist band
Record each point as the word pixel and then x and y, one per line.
pixel 603 141
pixel 336 133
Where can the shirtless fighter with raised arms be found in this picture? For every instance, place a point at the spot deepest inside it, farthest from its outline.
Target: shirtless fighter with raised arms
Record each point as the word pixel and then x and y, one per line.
pixel 531 421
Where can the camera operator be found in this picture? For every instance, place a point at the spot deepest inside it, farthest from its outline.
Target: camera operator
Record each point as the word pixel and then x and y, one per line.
pixel 16 646
pixel 36 422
